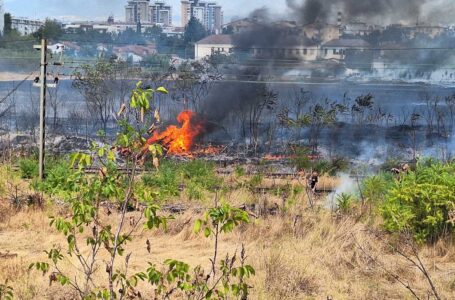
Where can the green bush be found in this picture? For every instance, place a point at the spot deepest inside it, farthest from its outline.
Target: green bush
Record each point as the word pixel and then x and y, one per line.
pixel 59 177
pixel 422 202
pixel 194 191
pixel 28 168
pixel 301 161
pixel 344 203
pixel 202 173
pixel 375 188
pixel 337 165
pixel 197 176
pixel 301 158
pixel 165 179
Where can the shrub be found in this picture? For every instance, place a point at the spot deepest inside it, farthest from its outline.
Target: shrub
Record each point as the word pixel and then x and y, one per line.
pixel 301 158
pixel 344 203
pixel 201 173
pixel 165 180
pixel 375 187
pixel 422 202
pixel 28 168
pixel 194 191
pixel 338 164
pixel 301 161
pixel 198 176
pixel 59 178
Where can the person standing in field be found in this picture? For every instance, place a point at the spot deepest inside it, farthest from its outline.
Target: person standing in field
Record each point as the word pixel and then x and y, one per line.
pixel 313 181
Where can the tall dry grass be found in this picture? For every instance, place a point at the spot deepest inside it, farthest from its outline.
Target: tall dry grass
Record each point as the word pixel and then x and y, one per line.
pixel 301 255
pixel 298 253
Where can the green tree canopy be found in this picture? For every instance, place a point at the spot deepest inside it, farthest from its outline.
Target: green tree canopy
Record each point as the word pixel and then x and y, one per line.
pixel 51 30
pixel 194 31
pixel 8 24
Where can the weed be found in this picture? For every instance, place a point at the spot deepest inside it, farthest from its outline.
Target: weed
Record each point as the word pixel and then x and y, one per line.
pixel 344 203
pixel 28 168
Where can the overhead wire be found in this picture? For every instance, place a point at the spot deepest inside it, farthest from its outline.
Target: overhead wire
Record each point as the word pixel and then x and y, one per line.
pixel 17 87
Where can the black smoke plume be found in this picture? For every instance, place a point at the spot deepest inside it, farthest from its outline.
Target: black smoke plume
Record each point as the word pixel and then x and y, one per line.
pixel 310 11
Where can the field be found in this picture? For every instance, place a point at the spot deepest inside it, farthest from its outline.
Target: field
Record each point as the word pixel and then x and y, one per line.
pixel 297 251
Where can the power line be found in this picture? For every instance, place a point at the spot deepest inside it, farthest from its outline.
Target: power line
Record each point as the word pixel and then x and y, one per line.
pixel 16 87
pixel 245 49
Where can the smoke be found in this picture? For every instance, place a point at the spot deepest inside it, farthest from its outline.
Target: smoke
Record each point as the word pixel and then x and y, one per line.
pixel 380 11
pixel 266 34
pixel 233 97
pixel 347 186
pixel 246 90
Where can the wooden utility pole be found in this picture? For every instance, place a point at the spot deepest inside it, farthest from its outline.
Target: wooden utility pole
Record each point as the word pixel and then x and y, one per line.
pixel 42 111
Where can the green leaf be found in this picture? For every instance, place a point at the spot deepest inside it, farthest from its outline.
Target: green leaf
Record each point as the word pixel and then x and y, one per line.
pixel 162 90
pixel 197 226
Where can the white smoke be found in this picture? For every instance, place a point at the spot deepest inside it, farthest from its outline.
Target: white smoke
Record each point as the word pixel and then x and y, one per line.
pixel 348 185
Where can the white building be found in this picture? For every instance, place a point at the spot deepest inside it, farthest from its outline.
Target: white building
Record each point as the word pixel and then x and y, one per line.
pixel 2 15
pixel 26 26
pixel 56 48
pixel 221 43
pixel 358 28
pixel 101 27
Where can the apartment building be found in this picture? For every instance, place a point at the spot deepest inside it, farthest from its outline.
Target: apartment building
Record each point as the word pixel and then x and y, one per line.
pixel 26 26
pixel 210 14
pixel 161 13
pixel 137 11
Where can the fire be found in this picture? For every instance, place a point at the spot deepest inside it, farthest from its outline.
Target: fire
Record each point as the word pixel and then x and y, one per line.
pixel 179 140
pixel 270 157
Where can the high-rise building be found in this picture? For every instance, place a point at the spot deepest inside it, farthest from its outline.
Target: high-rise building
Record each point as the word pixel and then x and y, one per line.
pixel 144 12
pixel 137 11
pixel 209 14
pixel 161 13
pixel 2 15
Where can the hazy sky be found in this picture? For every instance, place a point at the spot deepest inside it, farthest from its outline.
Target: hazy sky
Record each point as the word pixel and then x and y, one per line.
pixel 101 9
pixel 434 11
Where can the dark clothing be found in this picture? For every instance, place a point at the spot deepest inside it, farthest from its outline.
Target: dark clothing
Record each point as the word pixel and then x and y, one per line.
pixel 313 181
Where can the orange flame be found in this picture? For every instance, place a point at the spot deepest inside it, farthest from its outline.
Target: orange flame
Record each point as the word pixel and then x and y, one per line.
pixel 179 140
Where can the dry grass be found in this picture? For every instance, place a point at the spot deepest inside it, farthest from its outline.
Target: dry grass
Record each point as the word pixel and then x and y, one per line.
pixel 298 254
pixel 307 256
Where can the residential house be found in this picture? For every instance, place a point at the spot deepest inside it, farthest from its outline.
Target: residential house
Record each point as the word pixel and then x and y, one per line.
pixel 218 43
pixel 336 49
pixel 288 51
pixel 357 28
pixel 135 53
pixel 174 31
pixel 321 32
pixel 239 26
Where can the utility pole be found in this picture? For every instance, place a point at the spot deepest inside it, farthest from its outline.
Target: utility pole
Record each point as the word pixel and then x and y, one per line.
pixel 41 82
